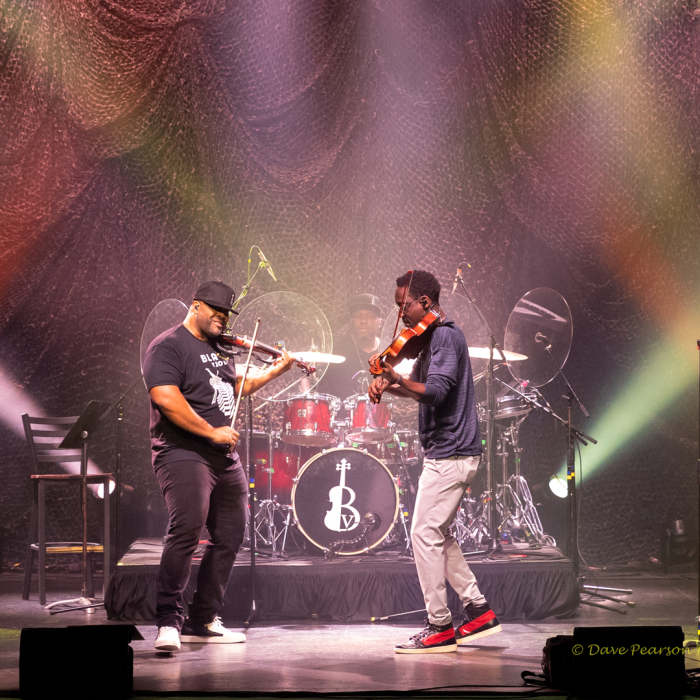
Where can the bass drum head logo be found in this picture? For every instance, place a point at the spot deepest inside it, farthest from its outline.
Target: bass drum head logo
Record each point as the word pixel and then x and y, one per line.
pixel 334 493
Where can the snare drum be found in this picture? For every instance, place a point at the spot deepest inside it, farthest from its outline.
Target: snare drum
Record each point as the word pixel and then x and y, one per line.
pixel 345 500
pixel 509 406
pixel 369 421
pixel 308 419
pixel 513 406
pixel 408 446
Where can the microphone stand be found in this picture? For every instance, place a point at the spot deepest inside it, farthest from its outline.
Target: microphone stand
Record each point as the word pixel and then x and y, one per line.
pixel 494 545
pixel 251 471
pixel 573 435
pixel 118 466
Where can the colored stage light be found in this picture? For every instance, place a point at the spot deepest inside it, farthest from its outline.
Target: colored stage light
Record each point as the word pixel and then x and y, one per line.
pixel 14 402
pixel 666 374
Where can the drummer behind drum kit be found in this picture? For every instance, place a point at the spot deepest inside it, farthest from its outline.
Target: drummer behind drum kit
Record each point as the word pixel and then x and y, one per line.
pixel 346 482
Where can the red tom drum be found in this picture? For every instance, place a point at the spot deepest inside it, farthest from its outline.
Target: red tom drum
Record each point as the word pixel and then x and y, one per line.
pixel 369 421
pixel 308 420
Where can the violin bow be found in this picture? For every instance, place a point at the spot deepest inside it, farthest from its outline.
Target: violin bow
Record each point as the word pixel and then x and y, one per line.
pixel 406 290
pixel 245 371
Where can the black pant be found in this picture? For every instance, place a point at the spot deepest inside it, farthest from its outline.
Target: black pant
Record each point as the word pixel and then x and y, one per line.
pixel 198 495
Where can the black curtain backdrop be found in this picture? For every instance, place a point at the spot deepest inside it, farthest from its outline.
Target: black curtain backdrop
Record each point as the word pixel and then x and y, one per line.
pixel 146 145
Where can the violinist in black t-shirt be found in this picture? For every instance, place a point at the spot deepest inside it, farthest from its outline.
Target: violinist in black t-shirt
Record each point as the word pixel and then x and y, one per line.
pixel 193 393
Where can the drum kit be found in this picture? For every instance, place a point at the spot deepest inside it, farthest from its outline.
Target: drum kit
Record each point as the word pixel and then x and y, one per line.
pixel 345 484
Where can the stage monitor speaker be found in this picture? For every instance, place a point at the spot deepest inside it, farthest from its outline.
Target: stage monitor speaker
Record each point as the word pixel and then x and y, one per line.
pixel 614 662
pixel 84 661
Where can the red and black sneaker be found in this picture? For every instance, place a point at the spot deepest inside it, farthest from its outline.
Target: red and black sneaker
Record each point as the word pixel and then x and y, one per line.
pixel 479 621
pixel 434 639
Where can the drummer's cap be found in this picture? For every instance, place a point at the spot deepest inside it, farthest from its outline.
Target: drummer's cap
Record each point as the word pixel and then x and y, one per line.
pixel 216 294
pixel 364 302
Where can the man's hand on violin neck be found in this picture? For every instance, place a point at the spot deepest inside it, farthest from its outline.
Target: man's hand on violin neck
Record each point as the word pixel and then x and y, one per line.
pixel 283 363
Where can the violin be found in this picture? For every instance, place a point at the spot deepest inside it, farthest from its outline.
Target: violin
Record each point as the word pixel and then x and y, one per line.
pixel 407 344
pixel 227 341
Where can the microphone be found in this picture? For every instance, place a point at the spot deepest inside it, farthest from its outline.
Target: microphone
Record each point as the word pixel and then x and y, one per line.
pixel 458 276
pixel 539 338
pixel 266 263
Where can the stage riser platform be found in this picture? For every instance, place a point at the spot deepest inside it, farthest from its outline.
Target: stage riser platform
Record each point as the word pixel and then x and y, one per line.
pixel 356 589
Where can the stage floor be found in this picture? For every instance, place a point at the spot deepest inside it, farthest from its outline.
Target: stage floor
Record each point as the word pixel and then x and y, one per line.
pixel 321 657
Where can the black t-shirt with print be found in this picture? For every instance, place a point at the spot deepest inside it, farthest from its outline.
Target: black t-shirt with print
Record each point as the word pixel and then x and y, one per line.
pixel 177 358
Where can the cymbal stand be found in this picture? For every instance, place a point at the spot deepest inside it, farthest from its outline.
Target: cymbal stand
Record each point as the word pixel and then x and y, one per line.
pixel 514 498
pixel 489 503
pixel 470 525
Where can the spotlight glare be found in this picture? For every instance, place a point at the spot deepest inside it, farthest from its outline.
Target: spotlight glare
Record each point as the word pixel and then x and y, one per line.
pixel 101 489
pixel 558 486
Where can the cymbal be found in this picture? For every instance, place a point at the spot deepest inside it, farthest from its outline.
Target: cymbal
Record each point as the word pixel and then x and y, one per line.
pixel 313 356
pixel 540 326
pixel 483 354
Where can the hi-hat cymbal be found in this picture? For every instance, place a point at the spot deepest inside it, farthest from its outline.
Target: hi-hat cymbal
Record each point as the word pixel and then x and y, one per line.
pixel 483 354
pixel 313 357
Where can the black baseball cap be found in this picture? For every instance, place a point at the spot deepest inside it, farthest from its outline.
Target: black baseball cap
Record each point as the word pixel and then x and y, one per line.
pixel 364 302
pixel 216 294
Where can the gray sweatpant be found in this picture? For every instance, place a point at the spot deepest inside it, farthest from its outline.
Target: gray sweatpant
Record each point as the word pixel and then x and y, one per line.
pixel 438 556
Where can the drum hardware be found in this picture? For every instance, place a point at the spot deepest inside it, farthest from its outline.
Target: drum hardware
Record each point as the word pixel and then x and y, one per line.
pixel 494 353
pixel 274 518
pixel 405 444
pixel 519 517
pixel 403 523
pixel 470 527
pixel 483 354
pixel 371 521
pixel 264 525
pixel 404 478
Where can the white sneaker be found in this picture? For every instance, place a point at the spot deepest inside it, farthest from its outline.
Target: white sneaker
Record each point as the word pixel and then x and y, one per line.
pixel 212 633
pixel 168 639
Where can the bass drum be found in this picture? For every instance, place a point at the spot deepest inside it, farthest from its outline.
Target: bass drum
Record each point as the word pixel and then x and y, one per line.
pixel 345 501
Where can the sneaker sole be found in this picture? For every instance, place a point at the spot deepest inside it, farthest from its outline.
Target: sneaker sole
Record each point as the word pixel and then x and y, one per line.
pixel 167 647
pixel 427 650
pixel 192 639
pixel 480 635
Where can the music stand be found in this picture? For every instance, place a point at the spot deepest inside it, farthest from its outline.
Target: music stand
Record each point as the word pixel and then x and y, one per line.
pixel 77 437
